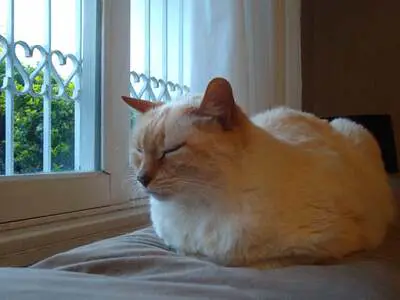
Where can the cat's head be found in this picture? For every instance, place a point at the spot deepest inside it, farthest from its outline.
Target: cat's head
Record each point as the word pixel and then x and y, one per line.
pixel 185 148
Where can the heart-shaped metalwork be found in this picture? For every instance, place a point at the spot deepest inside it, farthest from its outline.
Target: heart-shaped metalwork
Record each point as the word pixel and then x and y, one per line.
pixel 143 87
pixel 3 54
pixel 45 65
pixel 176 91
pixel 30 78
pixel 135 85
pixel 27 84
pixel 160 86
pixel 140 86
pixel 62 84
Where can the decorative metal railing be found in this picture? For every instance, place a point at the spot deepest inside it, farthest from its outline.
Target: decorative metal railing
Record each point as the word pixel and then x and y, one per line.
pixel 14 67
pixel 144 87
pixel 39 80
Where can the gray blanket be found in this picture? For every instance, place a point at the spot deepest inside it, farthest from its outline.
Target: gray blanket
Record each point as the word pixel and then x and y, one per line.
pixel 140 266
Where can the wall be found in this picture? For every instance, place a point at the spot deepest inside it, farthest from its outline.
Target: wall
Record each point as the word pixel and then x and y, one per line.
pixel 351 58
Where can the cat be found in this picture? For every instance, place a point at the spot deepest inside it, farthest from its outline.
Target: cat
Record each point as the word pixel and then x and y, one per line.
pixel 282 186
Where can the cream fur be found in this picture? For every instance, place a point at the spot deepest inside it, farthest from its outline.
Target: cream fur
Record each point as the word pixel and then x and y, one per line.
pixel 284 185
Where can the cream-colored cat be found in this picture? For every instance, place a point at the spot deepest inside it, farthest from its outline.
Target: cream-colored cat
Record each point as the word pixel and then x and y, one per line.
pixel 284 186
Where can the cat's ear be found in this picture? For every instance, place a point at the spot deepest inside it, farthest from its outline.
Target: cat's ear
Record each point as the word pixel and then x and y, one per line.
pixel 218 102
pixel 141 106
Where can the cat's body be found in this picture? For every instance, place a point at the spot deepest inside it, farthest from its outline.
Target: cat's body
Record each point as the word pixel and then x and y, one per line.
pixel 283 185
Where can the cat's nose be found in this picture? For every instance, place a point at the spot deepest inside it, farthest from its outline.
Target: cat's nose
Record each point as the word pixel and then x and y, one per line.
pixel 144 179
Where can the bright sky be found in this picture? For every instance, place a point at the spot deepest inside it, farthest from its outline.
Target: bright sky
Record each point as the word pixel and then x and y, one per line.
pixel 156 32
pixel 30 21
pixel 30 26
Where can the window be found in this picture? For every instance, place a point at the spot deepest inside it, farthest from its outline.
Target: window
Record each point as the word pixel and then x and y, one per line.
pixel 42 98
pixel 50 108
pixel 64 64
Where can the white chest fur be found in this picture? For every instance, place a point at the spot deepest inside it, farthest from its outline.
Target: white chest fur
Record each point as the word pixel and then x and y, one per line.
pixel 195 230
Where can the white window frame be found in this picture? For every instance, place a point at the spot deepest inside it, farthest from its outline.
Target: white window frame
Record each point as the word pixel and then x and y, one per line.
pixel 42 195
pixel 115 83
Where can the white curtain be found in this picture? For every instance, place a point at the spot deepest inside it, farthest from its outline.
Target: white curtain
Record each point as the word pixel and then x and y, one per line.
pixel 255 44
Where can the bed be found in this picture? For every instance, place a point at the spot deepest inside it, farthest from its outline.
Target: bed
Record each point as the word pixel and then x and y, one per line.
pixel 140 266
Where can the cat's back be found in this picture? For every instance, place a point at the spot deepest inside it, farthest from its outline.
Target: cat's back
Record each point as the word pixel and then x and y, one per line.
pixel 330 167
pixel 294 127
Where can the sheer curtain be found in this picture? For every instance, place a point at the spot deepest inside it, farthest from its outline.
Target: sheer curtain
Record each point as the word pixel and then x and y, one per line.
pixel 255 44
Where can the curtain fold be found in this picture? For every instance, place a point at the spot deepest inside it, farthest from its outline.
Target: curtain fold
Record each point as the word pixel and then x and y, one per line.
pixel 255 44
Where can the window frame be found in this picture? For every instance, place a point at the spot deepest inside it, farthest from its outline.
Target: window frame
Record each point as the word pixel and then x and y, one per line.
pixel 39 195
pixel 115 83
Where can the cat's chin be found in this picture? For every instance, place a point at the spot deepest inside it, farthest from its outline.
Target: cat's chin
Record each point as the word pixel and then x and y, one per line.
pixel 158 196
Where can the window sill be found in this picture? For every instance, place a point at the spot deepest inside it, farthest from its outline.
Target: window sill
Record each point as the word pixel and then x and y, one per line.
pixel 25 242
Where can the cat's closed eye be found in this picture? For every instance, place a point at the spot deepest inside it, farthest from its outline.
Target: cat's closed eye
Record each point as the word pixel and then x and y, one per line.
pixel 165 152
pixel 172 150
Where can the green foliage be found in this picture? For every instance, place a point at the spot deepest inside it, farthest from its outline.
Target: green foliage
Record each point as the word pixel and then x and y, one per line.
pixel 28 128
